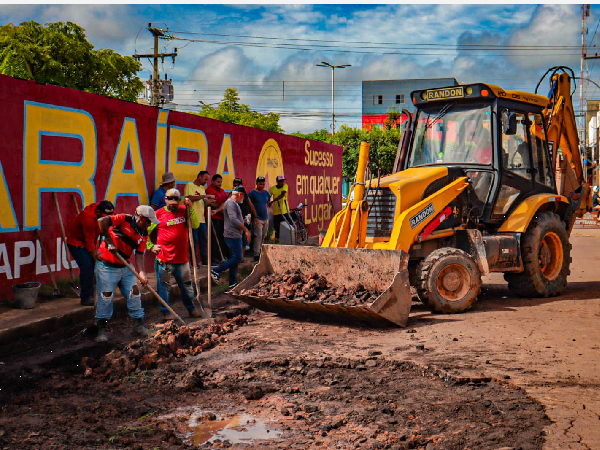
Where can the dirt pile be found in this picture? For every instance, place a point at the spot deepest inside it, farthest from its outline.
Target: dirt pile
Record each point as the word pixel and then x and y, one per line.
pixel 293 285
pixel 168 342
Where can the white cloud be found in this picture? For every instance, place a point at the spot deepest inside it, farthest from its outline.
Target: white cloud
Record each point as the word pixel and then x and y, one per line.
pixel 105 25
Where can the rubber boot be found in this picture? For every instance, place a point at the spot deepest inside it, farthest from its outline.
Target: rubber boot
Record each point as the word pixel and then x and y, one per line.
pixel 102 335
pixel 139 328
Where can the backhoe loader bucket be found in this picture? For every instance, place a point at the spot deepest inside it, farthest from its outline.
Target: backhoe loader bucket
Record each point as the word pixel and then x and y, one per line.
pixel 384 271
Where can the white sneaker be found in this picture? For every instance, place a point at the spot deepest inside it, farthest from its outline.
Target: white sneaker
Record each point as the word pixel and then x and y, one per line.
pixel 215 276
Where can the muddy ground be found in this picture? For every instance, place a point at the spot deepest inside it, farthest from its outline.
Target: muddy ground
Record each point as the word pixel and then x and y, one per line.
pixel 157 393
pixel 510 373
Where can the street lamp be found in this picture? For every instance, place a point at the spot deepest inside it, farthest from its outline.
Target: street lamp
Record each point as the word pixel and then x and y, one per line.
pixel 326 64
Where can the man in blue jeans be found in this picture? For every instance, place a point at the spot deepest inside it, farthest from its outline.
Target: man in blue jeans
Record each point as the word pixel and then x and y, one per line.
pixel 170 245
pixel 123 235
pixel 82 237
pixel 233 231
pixel 196 192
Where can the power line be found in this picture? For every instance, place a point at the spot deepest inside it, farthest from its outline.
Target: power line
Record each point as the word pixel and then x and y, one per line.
pixel 334 48
pixel 408 45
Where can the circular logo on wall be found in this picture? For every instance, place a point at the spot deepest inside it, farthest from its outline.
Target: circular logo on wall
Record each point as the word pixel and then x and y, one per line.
pixel 270 163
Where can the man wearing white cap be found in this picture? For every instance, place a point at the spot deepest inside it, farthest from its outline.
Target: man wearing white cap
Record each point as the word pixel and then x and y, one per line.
pixel 123 234
pixel 233 232
pixel 169 242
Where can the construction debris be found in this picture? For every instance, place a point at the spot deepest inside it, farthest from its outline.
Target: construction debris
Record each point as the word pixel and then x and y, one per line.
pixel 293 285
pixel 168 342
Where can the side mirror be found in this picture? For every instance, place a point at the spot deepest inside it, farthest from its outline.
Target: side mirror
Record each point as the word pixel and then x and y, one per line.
pixel 509 123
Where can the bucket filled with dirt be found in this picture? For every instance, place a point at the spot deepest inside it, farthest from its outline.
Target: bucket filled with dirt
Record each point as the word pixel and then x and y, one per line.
pixel 340 284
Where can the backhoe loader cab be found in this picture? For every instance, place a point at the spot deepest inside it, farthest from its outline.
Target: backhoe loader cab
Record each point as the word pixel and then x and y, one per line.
pixel 495 138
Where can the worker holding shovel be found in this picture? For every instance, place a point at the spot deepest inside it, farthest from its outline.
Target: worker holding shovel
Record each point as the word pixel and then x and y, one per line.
pixel 123 235
pixel 168 241
pixel 82 236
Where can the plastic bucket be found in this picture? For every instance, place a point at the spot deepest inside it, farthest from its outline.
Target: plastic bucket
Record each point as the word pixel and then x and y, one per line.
pixel 25 294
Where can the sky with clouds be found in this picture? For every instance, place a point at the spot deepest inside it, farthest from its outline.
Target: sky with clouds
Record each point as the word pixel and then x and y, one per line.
pixel 269 52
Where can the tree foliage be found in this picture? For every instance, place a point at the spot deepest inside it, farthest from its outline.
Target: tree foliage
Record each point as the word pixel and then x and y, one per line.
pixel 383 146
pixel 230 110
pixel 59 53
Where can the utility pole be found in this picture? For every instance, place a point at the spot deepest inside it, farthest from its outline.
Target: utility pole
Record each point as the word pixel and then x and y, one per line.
pixel 583 125
pixel 156 82
pixel 326 64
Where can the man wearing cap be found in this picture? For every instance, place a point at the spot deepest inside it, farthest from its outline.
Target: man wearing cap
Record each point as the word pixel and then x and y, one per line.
pixel 218 220
pixel 123 234
pixel 168 240
pixel 248 211
pixel 279 192
pixel 196 192
pixel 234 229
pixel 158 197
pixel 82 235
pixel 260 199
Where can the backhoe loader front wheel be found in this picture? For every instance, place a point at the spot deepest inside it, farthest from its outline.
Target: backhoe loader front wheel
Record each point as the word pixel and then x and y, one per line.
pixel 449 280
pixel 546 258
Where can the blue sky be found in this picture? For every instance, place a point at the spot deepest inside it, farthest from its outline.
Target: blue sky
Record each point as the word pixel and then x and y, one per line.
pixel 269 52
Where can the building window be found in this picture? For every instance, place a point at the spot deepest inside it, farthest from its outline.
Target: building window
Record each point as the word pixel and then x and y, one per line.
pixel 399 99
pixel 378 99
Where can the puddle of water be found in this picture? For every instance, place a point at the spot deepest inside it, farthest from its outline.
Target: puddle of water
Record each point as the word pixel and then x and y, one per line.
pixel 237 429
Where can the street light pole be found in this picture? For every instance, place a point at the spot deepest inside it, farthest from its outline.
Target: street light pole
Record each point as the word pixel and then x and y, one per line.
pixel 326 64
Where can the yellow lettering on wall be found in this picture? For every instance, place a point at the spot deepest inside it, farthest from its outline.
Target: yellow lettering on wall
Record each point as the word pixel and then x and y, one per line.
pixel 161 146
pixel 191 141
pixel 270 162
pixel 52 176
pixel 128 181
pixel 8 218
pixel 226 155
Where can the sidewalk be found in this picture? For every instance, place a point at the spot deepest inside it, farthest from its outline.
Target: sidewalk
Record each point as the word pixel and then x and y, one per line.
pixel 54 315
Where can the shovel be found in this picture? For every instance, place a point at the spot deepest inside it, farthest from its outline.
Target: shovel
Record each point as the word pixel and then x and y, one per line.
pixel 197 302
pixel 76 204
pixel 158 297
pixel 73 285
pixel 56 292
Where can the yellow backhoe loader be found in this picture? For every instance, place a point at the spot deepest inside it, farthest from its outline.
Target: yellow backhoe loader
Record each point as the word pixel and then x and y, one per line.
pixel 485 180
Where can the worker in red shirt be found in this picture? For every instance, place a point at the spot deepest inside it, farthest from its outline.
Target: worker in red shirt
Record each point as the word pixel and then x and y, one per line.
pixel 168 240
pixel 82 236
pixel 124 234
pixel 218 220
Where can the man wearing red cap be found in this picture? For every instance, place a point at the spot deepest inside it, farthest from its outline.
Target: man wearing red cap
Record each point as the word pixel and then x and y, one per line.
pixel 279 201
pixel 82 236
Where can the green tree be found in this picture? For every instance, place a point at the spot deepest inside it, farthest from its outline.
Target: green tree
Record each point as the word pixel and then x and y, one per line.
pixel 391 121
pixel 59 53
pixel 230 110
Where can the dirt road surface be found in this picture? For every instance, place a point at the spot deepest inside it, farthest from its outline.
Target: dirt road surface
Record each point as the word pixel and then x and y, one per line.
pixel 510 373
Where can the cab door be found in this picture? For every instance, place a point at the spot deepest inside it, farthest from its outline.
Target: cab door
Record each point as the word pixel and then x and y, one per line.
pixel 516 168
pixel 542 160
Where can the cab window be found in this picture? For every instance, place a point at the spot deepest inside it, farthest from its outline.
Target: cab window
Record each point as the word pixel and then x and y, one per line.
pixel 515 152
pixel 539 151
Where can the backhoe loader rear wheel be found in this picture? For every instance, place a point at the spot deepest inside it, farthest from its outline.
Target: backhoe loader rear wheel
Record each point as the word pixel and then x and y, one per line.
pixel 449 280
pixel 546 255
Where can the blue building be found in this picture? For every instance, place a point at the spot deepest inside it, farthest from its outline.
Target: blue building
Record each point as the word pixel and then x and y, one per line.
pixel 380 96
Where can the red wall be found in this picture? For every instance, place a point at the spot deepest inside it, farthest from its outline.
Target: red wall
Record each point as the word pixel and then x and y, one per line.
pixel 75 143
pixel 370 120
